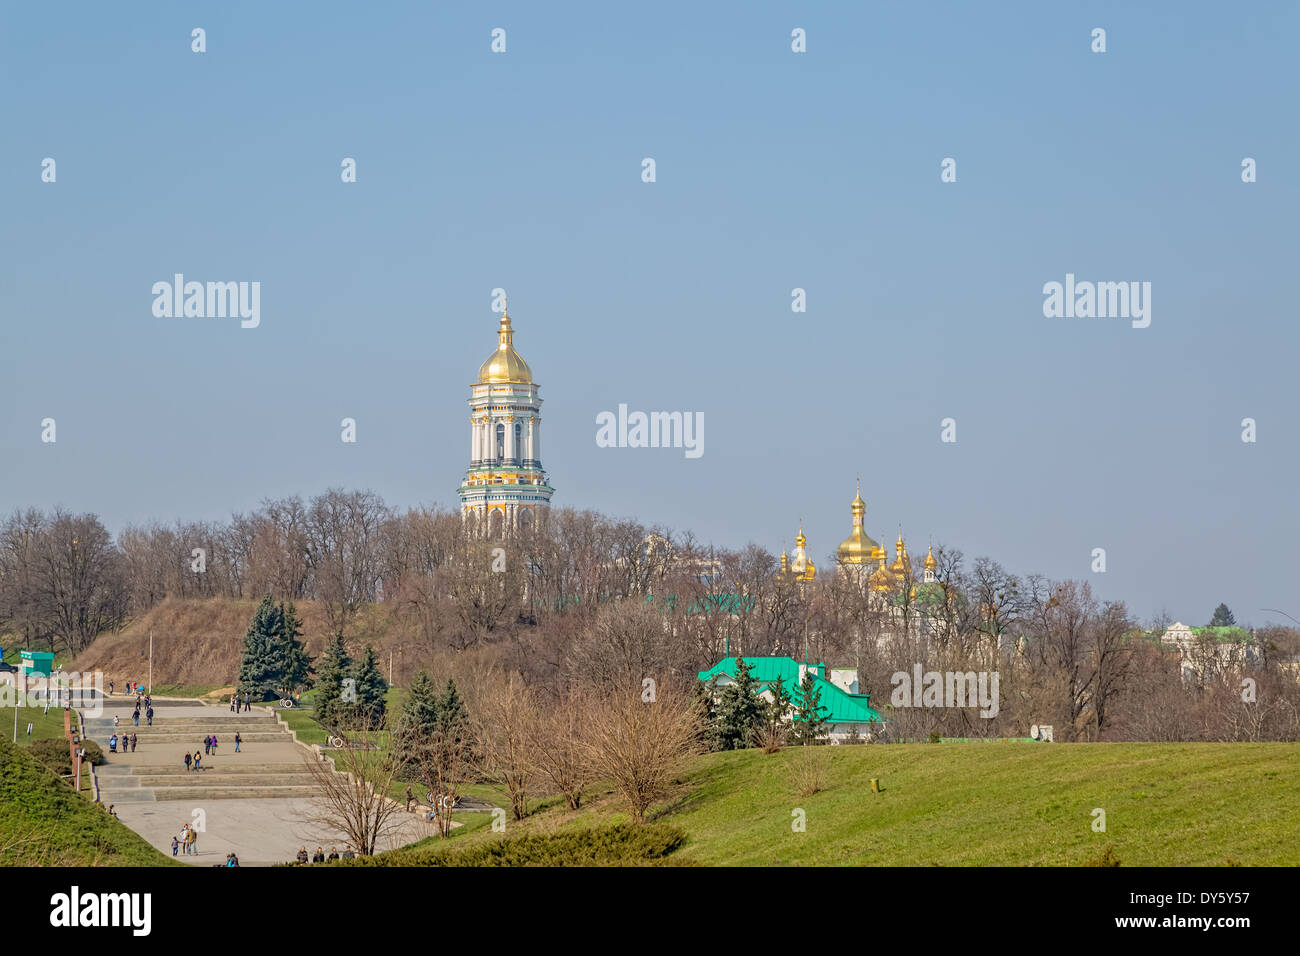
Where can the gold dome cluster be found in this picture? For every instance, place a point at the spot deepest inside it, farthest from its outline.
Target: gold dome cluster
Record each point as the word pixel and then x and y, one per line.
pixel 505 365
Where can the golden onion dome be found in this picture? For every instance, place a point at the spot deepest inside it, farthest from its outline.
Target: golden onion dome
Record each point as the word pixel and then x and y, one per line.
pixel 505 364
pixel 882 579
pixel 930 562
pixel 857 548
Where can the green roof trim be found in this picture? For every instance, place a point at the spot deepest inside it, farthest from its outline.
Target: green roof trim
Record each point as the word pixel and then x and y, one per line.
pixel 843 707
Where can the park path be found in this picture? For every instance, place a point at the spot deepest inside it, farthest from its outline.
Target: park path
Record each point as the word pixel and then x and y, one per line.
pixel 257 803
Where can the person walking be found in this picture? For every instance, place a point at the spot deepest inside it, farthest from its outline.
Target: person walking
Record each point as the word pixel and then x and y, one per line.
pixel 116 718
pixel 133 743
pixel 237 741
pixel 197 757
pixel 188 760
pixel 214 743
pixel 110 688
pixel 207 745
pixel 410 798
pixel 247 705
pixel 149 716
pixel 112 744
pixel 194 842
pixel 176 844
pixel 232 703
pixel 135 718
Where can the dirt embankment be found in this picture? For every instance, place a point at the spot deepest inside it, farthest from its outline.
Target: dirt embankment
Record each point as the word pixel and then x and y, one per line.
pixel 199 641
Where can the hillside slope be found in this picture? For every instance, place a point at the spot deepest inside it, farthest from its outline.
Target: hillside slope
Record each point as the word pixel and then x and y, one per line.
pixel 199 641
pixel 980 804
pixel 44 823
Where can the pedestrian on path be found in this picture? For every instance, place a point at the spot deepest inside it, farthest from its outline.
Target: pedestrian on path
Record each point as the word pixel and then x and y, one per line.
pixel 135 718
pixel 133 743
pixel 237 741
pixel 207 745
pixel 112 744
pixel 149 715
pixel 188 760
pixel 214 743
pixel 110 688
pixel 410 798
pixel 197 757
pixel 194 842
pixel 232 703
pixel 175 846
pixel 247 705
pixel 148 701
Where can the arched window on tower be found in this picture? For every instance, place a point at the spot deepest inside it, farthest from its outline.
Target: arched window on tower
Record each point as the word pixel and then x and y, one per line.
pixel 519 431
pixel 501 442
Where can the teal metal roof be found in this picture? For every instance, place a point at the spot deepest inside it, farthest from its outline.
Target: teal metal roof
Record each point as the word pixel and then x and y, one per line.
pixel 843 707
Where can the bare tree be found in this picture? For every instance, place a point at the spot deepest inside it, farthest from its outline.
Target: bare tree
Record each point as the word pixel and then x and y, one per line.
pixel 353 796
pixel 505 722
pixel 642 744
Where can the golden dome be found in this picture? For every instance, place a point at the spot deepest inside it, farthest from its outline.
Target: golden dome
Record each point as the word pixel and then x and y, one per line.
pixel 930 562
pixel 505 364
pixel 882 579
pixel 901 566
pixel 857 548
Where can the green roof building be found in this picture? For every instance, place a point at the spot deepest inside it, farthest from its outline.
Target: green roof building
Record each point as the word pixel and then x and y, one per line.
pixel 851 713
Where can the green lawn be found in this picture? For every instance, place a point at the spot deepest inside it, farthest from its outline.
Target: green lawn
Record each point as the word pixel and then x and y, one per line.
pixel 43 725
pixel 979 805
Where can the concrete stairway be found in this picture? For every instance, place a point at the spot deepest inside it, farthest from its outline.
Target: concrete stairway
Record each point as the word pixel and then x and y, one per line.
pixel 269 763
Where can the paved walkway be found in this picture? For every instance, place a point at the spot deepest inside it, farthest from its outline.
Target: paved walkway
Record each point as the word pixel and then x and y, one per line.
pixel 259 831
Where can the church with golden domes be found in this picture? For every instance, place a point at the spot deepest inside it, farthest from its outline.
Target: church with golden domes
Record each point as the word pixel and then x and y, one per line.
pixel 505 488
pixel 891 586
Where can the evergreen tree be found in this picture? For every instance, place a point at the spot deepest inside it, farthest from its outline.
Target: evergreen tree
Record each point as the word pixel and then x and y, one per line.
pixel 809 715
pixel 372 690
pixel 778 706
pixel 452 726
pixel 335 665
pixel 419 719
pixel 262 662
pixel 298 663
pixel 739 710
pixel 1222 617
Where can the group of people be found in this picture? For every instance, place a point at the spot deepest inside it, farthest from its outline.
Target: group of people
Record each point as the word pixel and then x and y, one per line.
pixel 131 687
pixel 238 703
pixel 187 842
pixel 128 743
pixel 320 857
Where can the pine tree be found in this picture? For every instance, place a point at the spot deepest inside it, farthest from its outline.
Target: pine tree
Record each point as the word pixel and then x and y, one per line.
pixel 778 706
pixel 335 665
pixel 262 662
pixel 298 663
pixel 739 710
pixel 809 715
pixel 372 690
pixel 419 719
pixel 452 727
pixel 1222 617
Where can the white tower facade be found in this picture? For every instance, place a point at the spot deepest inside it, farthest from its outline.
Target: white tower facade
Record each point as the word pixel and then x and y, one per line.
pixel 505 486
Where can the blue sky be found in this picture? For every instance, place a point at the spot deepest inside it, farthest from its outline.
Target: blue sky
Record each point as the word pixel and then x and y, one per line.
pixel 775 170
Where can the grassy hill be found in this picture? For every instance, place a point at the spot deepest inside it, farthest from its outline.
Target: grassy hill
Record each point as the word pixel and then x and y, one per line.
pixel 44 823
pixel 978 805
pixel 196 643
